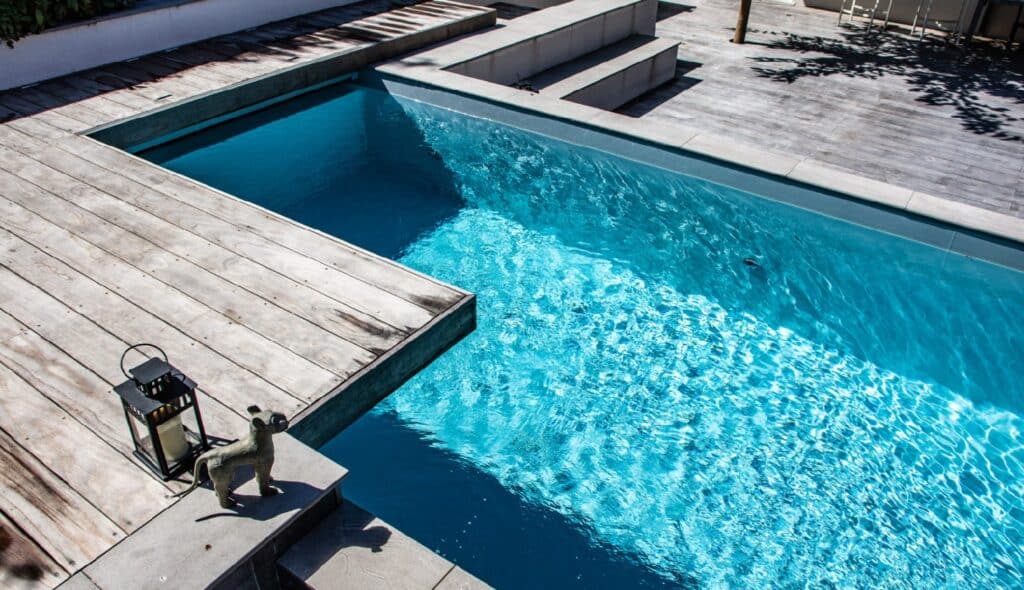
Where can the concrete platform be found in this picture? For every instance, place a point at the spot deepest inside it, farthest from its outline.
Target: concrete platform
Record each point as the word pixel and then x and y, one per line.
pixel 354 549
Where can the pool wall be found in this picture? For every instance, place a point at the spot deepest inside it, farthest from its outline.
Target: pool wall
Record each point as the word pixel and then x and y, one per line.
pixel 889 217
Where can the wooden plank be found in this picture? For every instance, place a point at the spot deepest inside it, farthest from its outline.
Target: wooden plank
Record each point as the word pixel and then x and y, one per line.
pixel 289 330
pixel 78 390
pixel 30 112
pixel 70 530
pixel 292 373
pixel 366 296
pixel 109 481
pixel 237 64
pixel 57 376
pixel 111 110
pixel 52 331
pixel 405 283
pixel 350 324
pixel 231 383
pixel 135 102
pixel 47 102
pixel 23 564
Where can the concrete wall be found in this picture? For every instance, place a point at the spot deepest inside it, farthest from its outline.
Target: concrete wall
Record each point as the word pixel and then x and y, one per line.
pixel 133 33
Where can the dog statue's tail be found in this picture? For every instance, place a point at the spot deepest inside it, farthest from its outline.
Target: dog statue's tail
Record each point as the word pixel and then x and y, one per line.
pixel 200 462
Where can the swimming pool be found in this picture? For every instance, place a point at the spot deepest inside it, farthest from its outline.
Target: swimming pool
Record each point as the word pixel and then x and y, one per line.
pixel 673 383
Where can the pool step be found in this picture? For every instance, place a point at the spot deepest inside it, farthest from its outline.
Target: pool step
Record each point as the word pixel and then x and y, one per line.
pixel 612 76
pixel 353 549
pixel 544 39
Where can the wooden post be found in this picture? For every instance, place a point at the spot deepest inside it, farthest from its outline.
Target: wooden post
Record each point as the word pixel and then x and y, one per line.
pixel 741 22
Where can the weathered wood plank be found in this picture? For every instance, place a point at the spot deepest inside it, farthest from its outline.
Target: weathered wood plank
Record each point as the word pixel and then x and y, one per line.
pixel 350 324
pixel 72 531
pixel 291 372
pixel 351 260
pixel 108 480
pixel 233 384
pixel 53 330
pixel 46 119
pixel 109 109
pixel 305 338
pixel 23 564
pixel 353 291
pixel 45 102
pixel 136 103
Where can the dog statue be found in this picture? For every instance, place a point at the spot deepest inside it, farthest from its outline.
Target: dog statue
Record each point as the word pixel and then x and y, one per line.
pixel 256 449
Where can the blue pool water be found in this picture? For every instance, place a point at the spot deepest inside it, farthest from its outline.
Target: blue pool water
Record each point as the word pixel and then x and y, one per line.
pixel 673 383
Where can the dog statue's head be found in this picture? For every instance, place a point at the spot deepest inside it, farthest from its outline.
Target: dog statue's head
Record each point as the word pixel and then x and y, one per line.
pixel 267 420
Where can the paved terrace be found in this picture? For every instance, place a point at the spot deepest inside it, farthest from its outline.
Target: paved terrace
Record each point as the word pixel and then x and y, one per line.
pixel 886 107
pixel 99 249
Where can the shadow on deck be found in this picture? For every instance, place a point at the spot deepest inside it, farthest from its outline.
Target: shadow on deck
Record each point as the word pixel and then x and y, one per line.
pixel 977 82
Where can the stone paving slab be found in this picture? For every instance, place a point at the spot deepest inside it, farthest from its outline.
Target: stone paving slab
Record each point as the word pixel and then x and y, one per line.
pixel 367 553
pixel 195 542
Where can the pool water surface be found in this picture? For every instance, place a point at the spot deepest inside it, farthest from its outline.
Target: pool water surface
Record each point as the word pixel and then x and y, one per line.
pixel 672 383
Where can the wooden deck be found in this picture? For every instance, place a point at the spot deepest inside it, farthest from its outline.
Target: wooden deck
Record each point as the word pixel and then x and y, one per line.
pixel 885 107
pixel 99 250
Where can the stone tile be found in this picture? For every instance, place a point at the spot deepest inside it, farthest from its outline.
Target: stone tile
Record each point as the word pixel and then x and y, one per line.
pixel 364 551
pixel 721 148
pixel 667 135
pixel 460 579
pixel 969 216
pixel 78 581
pixel 827 177
pixel 212 540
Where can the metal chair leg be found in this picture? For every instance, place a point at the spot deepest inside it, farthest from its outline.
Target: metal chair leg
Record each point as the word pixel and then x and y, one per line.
pixel 917 14
pixel 874 10
pixel 888 11
pixel 927 15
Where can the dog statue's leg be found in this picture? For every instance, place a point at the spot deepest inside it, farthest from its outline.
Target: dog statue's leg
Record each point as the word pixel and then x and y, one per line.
pixel 221 485
pixel 263 476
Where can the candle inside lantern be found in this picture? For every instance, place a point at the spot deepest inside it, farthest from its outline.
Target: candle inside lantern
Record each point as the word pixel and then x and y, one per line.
pixel 172 439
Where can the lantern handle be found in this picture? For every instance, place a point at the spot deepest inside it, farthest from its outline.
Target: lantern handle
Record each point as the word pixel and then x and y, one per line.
pixel 139 345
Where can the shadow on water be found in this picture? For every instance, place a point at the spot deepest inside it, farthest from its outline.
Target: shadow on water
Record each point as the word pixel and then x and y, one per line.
pixel 942 75
pixel 429 493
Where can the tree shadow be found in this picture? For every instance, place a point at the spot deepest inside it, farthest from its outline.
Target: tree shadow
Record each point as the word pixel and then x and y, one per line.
pixel 942 75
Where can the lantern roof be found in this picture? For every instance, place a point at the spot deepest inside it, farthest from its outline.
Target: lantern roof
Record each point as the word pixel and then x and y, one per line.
pixel 135 399
pixel 151 370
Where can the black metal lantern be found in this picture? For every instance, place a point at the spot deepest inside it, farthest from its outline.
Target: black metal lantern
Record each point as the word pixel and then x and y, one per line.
pixel 154 397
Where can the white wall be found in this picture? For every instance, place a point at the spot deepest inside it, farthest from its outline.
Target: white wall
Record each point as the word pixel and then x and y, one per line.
pixel 114 38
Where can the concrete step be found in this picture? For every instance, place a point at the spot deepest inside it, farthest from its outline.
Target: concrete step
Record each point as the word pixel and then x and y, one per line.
pixel 612 76
pixel 353 549
pixel 541 40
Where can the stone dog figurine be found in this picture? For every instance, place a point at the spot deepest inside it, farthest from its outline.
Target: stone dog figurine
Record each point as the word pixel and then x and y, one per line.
pixel 256 449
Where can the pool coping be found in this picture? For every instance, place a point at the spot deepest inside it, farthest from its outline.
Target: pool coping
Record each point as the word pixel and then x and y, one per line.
pixel 974 232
